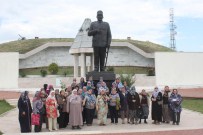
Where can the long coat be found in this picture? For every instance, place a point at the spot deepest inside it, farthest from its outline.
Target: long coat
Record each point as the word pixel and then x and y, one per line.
pixel 74 108
pixel 157 108
pixel 123 101
pixel 25 120
pixel 133 105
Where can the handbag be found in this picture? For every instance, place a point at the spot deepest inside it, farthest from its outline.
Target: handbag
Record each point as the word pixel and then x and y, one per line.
pixel 35 119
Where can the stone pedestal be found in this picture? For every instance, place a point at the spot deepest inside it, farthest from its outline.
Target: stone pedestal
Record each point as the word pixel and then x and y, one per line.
pixel 108 77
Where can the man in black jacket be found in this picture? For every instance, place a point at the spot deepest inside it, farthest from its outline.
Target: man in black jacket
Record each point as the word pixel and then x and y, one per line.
pixel 101 40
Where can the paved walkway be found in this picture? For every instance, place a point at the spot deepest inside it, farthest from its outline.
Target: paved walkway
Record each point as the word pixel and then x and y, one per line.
pixel 189 121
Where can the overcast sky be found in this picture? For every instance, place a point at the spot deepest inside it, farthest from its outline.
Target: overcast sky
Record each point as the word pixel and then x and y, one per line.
pixel 138 19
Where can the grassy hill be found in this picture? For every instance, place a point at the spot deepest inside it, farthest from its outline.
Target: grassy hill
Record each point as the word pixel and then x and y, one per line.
pixel 23 46
pixel 146 46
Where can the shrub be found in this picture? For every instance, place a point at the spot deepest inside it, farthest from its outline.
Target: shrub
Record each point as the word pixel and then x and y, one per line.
pixel 43 72
pixel 65 73
pixel 128 78
pixel 110 69
pixel 151 71
pixel 22 74
pixel 53 68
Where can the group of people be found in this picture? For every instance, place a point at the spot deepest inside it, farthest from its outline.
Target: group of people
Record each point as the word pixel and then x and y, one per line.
pixel 79 103
pixel 166 107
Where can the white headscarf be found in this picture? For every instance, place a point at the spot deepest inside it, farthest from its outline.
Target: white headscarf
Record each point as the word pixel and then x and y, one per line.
pixel 50 96
pixel 155 93
pixel 73 96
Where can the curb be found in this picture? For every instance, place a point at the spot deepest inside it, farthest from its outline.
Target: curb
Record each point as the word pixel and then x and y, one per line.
pixel 3 114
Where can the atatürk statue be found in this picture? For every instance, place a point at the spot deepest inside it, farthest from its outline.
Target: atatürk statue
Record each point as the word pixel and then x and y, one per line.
pixel 101 41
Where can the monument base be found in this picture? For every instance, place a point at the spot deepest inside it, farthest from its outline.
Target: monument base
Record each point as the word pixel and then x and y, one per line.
pixel 108 77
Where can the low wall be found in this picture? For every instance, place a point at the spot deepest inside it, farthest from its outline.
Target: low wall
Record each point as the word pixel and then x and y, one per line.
pixel 9 65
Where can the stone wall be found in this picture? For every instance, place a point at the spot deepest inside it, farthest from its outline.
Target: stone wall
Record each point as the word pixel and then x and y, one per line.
pixel 118 56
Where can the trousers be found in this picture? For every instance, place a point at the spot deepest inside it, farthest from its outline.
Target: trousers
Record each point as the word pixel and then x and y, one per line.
pixel 99 58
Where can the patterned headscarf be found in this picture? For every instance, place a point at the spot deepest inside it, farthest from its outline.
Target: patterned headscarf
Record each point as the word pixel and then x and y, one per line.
pixel 24 96
pixel 132 90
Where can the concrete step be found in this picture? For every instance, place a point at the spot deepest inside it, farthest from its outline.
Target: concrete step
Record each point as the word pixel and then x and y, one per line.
pixel 12 102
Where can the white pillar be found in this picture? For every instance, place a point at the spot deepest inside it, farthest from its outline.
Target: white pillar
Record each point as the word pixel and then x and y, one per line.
pixel 83 65
pixel 76 63
pixel 92 61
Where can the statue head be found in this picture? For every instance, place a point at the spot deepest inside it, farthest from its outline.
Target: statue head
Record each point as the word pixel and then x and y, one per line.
pixel 99 15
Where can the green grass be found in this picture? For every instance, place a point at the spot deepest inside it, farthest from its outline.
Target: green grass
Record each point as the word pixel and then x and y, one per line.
pixel 4 106
pixel 23 46
pixel 150 47
pixel 193 104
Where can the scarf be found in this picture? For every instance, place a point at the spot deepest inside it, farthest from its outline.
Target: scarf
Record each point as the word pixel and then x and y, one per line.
pixel 155 93
pixel 73 96
pixel 24 96
pixel 132 91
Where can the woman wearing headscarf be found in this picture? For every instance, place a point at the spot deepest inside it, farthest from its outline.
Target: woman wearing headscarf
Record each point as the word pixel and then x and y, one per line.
pixel 134 104
pixel 43 98
pixel 38 109
pixel 82 83
pixel 156 106
pixel 102 107
pixel 124 103
pixel 144 101
pixel 51 110
pixel 25 111
pixel 175 101
pixel 166 110
pixel 61 100
pixel 50 88
pixel 74 108
pixel 90 103
pixel 114 105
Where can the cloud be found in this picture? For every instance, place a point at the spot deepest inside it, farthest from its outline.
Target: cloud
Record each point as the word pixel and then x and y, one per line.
pixel 139 19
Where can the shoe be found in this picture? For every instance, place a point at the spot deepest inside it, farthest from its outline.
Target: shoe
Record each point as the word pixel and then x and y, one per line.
pixel 154 122
pixel 145 122
pixel 88 124
pixel 56 129
pixel 78 127
pixel 177 123
pixel 123 121
pixel 158 123
pixel 50 130
pixel 173 123
pixel 140 122
pixel 168 122
pixel 73 127
pixel 100 124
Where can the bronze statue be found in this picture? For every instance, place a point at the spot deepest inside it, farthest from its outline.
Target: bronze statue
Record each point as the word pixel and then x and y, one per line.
pixel 100 42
